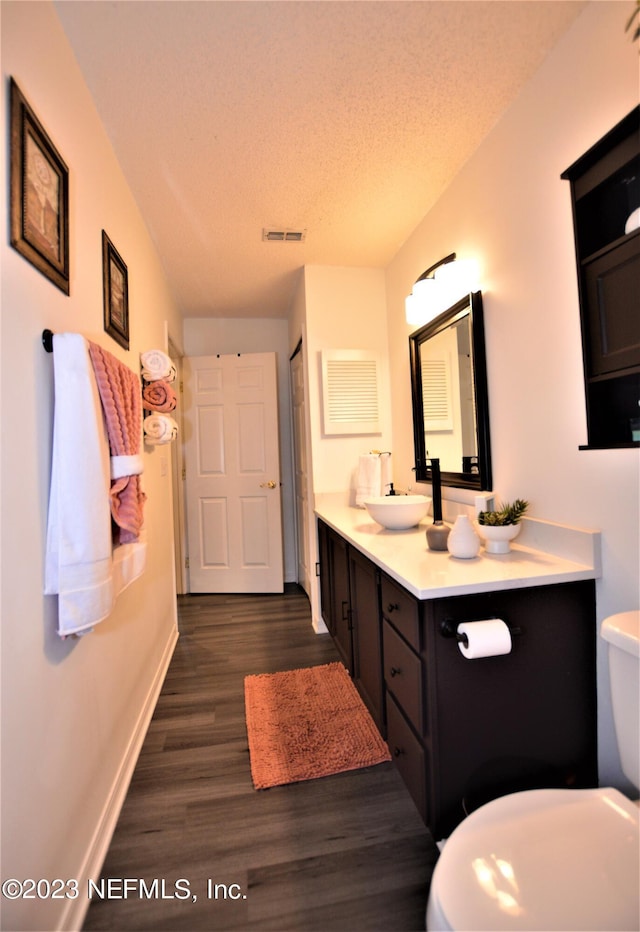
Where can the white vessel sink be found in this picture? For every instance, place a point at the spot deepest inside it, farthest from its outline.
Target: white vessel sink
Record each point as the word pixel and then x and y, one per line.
pixel 398 512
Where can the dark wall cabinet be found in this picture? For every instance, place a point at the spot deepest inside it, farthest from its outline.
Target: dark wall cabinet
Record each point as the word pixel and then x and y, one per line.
pixel 605 193
pixel 461 731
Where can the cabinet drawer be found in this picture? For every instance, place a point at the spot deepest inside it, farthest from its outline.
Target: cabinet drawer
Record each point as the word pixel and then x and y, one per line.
pixel 403 676
pixel 408 755
pixel 402 610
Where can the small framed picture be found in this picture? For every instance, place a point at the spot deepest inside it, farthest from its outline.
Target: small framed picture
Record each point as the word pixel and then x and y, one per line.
pixel 115 287
pixel 39 201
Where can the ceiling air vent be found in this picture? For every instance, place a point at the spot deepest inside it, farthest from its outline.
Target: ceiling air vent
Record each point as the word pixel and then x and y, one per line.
pixel 284 236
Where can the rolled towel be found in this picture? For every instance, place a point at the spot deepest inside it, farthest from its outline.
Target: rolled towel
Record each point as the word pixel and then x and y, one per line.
pixel 157 365
pixel 159 396
pixel 159 428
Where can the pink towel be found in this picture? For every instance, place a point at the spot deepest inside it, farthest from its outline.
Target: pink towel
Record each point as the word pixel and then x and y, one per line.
pixel 159 396
pixel 119 390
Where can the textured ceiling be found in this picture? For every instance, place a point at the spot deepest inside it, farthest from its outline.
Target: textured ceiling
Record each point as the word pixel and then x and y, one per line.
pixel 345 119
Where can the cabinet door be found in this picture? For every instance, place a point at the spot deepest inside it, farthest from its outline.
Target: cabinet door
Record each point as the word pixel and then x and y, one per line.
pixel 325 576
pixel 613 319
pixel 365 614
pixel 339 598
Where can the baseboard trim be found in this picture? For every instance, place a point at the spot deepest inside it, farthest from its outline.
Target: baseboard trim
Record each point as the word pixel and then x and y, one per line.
pixel 319 626
pixel 72 917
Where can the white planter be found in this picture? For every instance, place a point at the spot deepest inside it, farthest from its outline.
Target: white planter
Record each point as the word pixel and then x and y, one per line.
pixel 497 538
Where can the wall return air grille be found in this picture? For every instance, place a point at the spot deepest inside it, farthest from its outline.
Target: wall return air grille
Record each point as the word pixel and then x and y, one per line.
pixel 350 392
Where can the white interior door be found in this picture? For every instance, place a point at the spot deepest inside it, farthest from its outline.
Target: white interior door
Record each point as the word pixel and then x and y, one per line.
pixel 234 517
pixel 177 481
pixel 300 470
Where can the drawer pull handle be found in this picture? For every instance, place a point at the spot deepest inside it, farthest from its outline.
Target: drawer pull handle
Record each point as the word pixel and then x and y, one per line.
pixel 392 607
pixel 395 671
pixel 398 752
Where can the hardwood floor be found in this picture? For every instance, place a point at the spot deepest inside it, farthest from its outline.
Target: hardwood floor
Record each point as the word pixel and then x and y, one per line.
pixel 347 852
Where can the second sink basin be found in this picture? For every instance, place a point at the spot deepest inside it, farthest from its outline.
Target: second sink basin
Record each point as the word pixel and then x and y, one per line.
pixel 398 512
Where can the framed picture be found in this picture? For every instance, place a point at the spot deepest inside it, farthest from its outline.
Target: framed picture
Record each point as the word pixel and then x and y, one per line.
pixel 115 287
pixel 39 201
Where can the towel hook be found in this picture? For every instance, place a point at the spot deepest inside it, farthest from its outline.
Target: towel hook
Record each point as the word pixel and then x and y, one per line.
pixel 47 340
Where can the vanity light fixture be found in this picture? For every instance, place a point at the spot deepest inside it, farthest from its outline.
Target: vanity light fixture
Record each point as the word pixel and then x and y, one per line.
pixel 439 287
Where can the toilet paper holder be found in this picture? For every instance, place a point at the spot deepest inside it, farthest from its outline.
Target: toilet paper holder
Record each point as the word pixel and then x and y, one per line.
pixel 449 629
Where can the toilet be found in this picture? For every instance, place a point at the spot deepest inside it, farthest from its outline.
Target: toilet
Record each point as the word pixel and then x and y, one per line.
pixel 553 859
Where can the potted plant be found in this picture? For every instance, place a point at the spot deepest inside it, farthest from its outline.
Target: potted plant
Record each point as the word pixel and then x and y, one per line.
pixel 499 528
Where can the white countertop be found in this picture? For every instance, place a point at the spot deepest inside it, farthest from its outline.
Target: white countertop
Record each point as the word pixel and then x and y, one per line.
pixel 569 554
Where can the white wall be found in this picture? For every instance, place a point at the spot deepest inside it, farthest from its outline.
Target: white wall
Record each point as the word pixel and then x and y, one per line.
pixel 345 309
pixel 204 337
pixel 72 710
pixel 509 208
pixel 339 308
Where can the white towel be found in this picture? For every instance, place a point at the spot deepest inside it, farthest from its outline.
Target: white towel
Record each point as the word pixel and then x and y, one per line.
pixel 369 478
pixel 374 475
pixel 79 558
pixel 159 429
pixel 157 365
pixel 126 465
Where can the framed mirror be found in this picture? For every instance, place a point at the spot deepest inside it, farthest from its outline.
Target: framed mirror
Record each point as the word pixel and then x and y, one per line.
pixel 450 398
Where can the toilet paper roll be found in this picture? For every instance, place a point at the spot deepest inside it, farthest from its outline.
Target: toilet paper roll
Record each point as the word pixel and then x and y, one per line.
pixel 489 638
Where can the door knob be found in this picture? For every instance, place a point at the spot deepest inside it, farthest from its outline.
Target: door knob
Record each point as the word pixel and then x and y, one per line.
pixel 268 485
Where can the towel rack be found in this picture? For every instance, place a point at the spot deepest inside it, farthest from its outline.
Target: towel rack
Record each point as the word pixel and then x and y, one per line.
pixel 47 340
pixel 379 452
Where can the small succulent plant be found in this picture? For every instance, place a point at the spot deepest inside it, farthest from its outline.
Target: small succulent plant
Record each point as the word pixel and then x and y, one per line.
pixel 507 514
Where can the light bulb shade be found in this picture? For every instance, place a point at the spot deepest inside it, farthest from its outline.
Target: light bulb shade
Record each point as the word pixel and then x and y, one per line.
pixel 427 291
pixel 412 310
pixel 422 304
pixel 457 279
pixel 450 282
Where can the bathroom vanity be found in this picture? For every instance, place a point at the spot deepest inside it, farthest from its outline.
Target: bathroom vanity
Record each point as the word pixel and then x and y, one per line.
pixel 465 731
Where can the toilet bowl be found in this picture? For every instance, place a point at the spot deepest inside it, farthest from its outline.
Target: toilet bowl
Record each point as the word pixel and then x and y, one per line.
pixel 541 859
pixel 553 859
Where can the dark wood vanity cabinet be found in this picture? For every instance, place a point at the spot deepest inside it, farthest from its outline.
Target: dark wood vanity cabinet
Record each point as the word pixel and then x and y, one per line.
pixel 349 589
pixel 519 721
pixel 605 193
pixel 466 731
pixel 460 731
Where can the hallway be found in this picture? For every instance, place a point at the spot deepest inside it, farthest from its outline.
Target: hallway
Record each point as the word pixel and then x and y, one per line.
pixel 347 852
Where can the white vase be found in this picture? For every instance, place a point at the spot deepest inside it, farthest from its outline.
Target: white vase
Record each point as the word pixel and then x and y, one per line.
pixel 463 542
pixel 497 537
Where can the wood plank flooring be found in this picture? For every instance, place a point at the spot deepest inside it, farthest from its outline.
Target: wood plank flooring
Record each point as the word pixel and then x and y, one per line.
pixel 347 852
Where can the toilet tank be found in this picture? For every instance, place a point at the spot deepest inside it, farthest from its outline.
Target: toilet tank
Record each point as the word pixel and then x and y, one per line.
pixel 622 633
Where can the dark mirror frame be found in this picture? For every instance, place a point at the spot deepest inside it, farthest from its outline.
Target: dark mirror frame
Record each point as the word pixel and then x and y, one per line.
pixel 482 479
